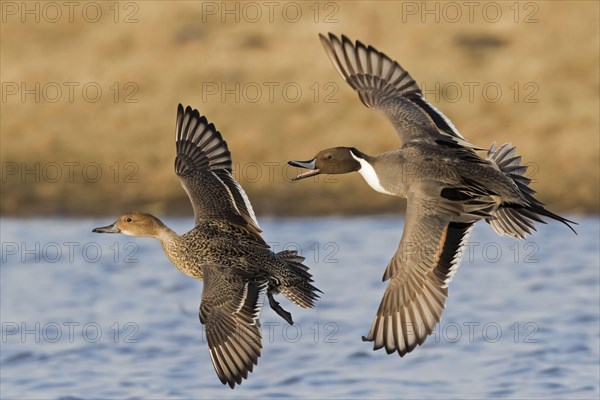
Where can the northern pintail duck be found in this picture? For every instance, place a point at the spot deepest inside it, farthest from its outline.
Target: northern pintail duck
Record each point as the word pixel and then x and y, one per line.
pixel 225 249
pixel 447 184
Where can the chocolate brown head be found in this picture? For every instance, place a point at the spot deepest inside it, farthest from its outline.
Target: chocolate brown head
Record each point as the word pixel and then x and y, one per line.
pixel 336 160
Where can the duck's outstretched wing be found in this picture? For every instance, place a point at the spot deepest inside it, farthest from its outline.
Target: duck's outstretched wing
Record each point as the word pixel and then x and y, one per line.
pixel 426 259
pixel 383 84
pixel 229 309
pixel 203 165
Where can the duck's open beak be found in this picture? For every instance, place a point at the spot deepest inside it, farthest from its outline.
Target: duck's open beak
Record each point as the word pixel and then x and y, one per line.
pixel 310 165
pixel 107 229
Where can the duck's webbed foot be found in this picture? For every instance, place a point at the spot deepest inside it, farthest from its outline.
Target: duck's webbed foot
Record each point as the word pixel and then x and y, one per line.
pixel 275 306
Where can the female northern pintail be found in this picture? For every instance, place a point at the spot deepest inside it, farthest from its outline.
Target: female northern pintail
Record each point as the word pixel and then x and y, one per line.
pixel 225 249
pixel 447 184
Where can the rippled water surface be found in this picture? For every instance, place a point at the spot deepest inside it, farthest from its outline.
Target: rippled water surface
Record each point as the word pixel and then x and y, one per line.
pixel 107 316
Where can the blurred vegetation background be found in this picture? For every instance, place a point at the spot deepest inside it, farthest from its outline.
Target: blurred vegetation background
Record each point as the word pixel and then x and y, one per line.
pixel 528 75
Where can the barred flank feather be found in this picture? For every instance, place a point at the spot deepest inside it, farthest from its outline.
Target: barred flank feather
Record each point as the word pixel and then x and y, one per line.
pixel 299 288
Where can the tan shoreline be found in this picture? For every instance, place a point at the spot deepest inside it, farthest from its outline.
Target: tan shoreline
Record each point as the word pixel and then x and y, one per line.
pixel 547 72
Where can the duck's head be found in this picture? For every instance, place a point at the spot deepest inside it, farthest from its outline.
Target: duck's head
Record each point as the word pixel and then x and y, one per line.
pixel 138 224
pixel 336 160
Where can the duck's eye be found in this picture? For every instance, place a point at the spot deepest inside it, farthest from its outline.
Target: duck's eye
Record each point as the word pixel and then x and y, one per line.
pixel 329 157
pixel 128 220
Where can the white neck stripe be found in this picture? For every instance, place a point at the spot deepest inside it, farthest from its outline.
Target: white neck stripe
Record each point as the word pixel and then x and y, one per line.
pixel 368 173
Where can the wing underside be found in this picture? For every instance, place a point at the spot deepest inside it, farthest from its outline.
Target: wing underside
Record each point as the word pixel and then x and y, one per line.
pixel 230 310
pixel 419 273
pixel 383 84
pixel 203 165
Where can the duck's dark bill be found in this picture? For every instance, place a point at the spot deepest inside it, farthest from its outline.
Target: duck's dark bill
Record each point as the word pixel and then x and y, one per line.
pixel 107 229
pixel 310 165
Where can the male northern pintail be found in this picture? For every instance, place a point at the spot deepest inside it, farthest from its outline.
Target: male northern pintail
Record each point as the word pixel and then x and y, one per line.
pixel 225 249
pixel 448 185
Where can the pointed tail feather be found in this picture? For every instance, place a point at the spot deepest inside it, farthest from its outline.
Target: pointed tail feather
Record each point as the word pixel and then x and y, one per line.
pixel 514 219
pixel 298 288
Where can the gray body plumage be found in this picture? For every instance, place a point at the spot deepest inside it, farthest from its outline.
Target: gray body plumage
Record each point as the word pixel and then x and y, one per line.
pixel 420 164
pixel 448 185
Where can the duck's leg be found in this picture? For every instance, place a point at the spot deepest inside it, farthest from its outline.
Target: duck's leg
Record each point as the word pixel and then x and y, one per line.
pixel 275 306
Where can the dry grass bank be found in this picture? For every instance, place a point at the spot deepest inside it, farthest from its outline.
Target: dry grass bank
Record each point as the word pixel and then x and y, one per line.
pixel 547 72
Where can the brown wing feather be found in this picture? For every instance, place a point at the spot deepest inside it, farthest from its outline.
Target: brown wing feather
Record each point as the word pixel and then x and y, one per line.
pixel 203 165
pixel 230 309
pixel 383 84
pixel 420 271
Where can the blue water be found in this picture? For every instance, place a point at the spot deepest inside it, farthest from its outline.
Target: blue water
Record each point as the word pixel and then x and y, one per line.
pixel 106 316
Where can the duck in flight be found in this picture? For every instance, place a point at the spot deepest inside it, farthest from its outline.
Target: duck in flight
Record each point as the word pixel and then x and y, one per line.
pixel 225 249
pixel 448 186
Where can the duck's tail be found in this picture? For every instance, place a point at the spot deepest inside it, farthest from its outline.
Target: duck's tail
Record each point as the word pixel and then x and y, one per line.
pixel 298 287
pixel 517 220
